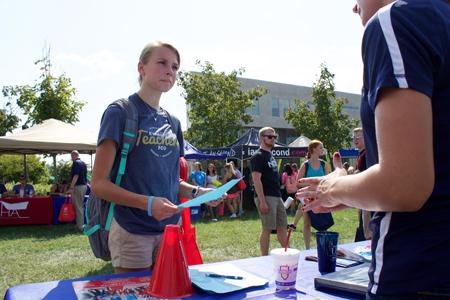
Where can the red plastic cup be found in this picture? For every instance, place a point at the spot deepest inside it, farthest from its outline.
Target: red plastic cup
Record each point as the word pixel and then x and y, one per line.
pixel 170 277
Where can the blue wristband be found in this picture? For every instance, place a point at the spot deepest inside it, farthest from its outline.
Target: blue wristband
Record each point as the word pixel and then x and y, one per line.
pixel 149 206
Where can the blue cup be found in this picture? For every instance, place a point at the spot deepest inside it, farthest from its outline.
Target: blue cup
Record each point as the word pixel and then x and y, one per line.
pixel 326 251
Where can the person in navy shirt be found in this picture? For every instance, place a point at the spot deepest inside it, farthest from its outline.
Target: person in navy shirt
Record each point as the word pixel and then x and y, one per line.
pixel 405 113
pixel 23 189
pixel 78 186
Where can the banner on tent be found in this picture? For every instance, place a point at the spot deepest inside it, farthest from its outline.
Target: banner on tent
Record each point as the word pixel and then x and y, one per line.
pixel 245 151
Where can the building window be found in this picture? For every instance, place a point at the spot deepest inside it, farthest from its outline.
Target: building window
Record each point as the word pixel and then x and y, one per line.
pixel 292 103
pixel 275 107
pixel 284 106
pixel 254 109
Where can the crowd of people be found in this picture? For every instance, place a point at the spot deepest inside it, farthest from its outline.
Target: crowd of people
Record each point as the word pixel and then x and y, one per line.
pixel 232 205
pixel 399 186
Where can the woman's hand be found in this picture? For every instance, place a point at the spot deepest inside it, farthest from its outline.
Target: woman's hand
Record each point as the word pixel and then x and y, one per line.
pixel 162 208
pixel 317 189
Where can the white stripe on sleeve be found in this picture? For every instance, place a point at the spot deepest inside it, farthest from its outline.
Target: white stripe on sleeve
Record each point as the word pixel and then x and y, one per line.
pixel 384 16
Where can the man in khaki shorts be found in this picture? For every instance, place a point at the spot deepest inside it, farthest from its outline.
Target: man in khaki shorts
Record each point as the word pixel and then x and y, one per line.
pixel 267 186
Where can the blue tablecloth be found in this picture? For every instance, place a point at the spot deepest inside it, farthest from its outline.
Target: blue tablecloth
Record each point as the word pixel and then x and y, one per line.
pixel 260 266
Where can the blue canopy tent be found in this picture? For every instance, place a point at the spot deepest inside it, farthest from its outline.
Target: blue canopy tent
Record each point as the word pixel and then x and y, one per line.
pixel 247 144
pixel 190 152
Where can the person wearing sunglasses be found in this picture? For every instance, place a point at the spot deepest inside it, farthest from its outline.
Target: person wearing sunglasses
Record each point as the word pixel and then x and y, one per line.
pixel 267 187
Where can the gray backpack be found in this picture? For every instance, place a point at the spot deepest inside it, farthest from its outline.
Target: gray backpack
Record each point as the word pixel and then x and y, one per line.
pixel 99 213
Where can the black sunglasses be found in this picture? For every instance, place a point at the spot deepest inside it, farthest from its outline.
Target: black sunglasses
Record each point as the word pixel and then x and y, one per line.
pixel 271 136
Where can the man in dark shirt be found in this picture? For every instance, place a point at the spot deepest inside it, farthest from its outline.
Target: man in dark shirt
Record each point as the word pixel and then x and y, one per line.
pixel 78 186
pixel 267 187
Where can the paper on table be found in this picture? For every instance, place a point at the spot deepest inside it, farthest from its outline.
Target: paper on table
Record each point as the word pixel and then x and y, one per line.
pixel 223 285
pixel 213 195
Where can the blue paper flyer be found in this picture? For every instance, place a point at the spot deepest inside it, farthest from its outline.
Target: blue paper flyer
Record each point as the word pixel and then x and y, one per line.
pixel 211 196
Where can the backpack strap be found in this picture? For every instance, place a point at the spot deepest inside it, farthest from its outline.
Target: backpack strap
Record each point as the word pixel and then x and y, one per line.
pixel 322 164
pixel 129 136
pixel 306 169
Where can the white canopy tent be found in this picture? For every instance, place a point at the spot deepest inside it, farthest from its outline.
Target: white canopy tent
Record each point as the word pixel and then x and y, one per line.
pixel 49 137
pixel 301 141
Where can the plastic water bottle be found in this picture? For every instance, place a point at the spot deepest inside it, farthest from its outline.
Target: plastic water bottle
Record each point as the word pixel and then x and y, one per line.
pixel 288 202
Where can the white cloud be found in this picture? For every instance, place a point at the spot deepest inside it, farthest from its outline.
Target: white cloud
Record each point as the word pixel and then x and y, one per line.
pixel 99 65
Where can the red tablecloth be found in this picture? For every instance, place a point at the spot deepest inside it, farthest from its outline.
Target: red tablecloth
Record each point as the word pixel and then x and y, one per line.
pixel 34 210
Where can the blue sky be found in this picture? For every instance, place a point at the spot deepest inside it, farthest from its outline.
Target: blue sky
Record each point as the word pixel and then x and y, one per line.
pixel 97 43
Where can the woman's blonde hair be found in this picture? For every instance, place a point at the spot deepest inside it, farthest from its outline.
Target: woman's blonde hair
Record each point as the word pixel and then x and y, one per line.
pixel 148 49
pixel 312 145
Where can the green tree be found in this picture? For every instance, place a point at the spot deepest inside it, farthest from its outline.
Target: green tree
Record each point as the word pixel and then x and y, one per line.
pixel 322 117
pixel 217 105
pixel 12 168
pixel 63 169
pixel 50 97
pixel 8 121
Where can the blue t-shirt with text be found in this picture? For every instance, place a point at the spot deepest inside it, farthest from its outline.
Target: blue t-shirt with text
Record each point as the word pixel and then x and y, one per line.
pixel 152 168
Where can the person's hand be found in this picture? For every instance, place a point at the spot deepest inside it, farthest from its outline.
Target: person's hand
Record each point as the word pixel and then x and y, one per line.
pixel 162 208
pixel 337 164
pixel 263 207
pixel 316 190
pixel 321 209
pixel 214 203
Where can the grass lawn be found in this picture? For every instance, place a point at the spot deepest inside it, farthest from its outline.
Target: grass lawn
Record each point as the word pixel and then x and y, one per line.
pixel 45 253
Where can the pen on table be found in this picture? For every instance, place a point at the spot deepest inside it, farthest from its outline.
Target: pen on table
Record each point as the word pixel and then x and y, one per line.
pixel 224 276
